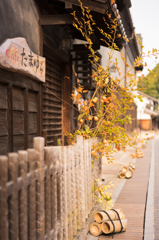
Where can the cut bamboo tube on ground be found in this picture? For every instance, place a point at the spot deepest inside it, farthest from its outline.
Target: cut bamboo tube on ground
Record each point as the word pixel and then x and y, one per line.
pixel 138 154
pixel 130 168
pixel 121 175
pixel 96 229
pixel 128 174
pixel 143 146
pixel 132 165
pixel 102 216
pixel 124 169
pixel 107 226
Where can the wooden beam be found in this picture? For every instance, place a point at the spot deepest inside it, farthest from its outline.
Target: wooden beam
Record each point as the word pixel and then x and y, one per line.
pixel 59 53
pixel 81 47
pixel 59 19
pixel 43 4
pixel 92 5
pixel 68 6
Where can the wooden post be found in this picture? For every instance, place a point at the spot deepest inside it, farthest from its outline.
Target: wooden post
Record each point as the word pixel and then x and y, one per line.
pixel 77 187
pixel 54 158
pixel 64 209
pixel 96 229
pixel 61 194
pixel 3 198
pixel 81 180
pixel 85 145
pixel 39 147
pixel 108 227
pixel 73 190
pixel 70 202
pixel 13 200
pixel 89 173
pixel 93 177
pixel 47 194
pixel 23 216
pixel 32 195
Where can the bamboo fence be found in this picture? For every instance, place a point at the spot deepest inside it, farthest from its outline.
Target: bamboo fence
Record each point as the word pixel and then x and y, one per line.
pixel 46 192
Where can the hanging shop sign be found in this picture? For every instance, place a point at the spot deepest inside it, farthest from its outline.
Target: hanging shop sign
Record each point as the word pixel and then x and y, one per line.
pixel 15 55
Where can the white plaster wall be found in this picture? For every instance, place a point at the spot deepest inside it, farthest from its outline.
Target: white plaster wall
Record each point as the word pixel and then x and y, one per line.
pixel 140 109
pixel 116 54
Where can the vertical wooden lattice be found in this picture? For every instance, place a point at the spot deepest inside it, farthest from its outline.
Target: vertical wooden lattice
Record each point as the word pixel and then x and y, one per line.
pixel 52 103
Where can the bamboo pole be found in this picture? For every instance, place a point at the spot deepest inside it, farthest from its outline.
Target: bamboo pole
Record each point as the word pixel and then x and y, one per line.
pixel 89 174
pixel 69 195
pixel 23 217
pixel 32 223
pixel 121 175
pixel 40 209
pixel 77 187
pixel 13 200
pixel 54 158
pixel 107 226
pixel 81 181
pixel 128 174
pixel 124 169
pixel 47 194
pixel 96 229
pixel 85 145
pixel 64 209
pixel 73 189
pixel 102 216
pixel 3 198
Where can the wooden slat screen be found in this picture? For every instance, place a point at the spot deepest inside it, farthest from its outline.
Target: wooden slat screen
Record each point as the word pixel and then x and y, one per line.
pixel 84 70
pixel 52 103
pixel 3 119
pixel 18 111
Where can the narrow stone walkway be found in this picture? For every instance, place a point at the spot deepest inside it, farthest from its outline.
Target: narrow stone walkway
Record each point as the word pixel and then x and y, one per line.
pixel 156 190
pixel 132 198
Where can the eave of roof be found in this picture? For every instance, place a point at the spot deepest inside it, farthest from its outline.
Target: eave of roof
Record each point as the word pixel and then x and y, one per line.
pixel 147 96
pixel 94 5
pixel 130 31
pixel 151 112
pixel 98 10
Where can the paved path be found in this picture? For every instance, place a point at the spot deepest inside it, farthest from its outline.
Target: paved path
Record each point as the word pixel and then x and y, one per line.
pixel 156 190
pixel 132 198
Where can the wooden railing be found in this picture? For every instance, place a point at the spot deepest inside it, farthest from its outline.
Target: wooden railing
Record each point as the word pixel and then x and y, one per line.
pixel 46 192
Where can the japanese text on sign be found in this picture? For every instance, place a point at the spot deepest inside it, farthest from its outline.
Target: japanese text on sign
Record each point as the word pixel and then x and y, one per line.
pixel 15 54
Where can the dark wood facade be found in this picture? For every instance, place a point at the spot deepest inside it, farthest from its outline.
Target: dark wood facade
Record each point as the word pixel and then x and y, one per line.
pixel 19 111
pixel 29 107
pixel 52 98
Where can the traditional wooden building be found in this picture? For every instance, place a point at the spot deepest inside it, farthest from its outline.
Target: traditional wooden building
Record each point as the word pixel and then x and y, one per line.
pixel 29 107
pixel 148 112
